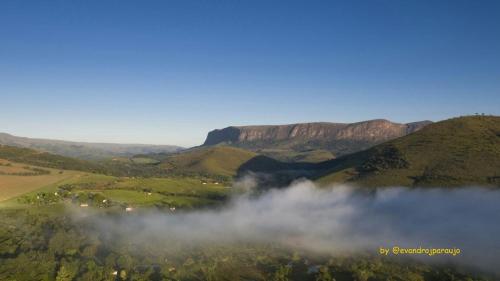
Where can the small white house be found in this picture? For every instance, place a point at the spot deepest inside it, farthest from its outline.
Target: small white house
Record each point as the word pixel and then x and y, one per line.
pixel 84 205
pixel 129 209
pixel 149 193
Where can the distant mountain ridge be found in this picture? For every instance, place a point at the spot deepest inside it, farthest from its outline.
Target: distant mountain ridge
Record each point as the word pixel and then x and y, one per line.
pixel 339 138
pixel 85 150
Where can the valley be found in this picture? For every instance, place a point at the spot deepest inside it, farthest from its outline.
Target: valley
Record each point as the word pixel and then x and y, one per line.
pixel 249 140
pixel 183 215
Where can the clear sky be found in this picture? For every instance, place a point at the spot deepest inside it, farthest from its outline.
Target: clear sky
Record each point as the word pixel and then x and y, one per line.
pixel 167 72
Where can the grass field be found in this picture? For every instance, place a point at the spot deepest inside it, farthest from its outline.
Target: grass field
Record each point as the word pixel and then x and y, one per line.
pixel 8 167
pixel 180 192
pixel 13 185
pixel 144 160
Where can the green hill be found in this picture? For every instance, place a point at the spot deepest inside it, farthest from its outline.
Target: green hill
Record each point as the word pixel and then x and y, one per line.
pixel 44 159
pixel 222 161
pixel 216 160
pixel 454 152
pixel 288 155
pixel 127 167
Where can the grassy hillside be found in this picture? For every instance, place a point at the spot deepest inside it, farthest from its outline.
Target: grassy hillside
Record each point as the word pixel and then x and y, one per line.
pixel 122 166
pixel 289 155
pixel 454 152
pixel 44 159
pixel 217 160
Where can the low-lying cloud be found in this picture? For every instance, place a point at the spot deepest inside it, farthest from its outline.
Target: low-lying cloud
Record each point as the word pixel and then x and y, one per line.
pixel 338 220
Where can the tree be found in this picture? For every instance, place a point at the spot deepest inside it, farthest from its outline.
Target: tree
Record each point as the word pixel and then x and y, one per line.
pixel 64 274
pixel 282 273
pixel 324 275
pixel 123 274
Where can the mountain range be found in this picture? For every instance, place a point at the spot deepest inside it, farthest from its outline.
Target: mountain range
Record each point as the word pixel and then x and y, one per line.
pixel 85 150
pixel 311 142
pixel 454 152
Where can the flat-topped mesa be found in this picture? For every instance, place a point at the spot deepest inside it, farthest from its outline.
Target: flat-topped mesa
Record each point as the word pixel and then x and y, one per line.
pixel 373 131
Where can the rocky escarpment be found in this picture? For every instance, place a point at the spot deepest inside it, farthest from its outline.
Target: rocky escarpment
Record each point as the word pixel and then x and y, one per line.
pixel 339 138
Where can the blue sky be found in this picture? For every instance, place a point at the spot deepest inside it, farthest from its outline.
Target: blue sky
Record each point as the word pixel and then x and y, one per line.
pixel 167 72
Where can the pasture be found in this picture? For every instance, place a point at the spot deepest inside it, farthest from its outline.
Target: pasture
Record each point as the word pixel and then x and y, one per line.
pixel 15 185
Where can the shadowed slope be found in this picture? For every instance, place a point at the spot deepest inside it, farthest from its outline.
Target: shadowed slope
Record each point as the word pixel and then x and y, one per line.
pixel 454 152
pixel 217 160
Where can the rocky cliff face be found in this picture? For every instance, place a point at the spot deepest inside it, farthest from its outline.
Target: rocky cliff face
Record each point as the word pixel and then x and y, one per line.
pixel 373 130
pixel 337 137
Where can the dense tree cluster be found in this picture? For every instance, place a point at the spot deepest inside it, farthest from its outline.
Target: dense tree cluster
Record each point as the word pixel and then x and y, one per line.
pixel 45 245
